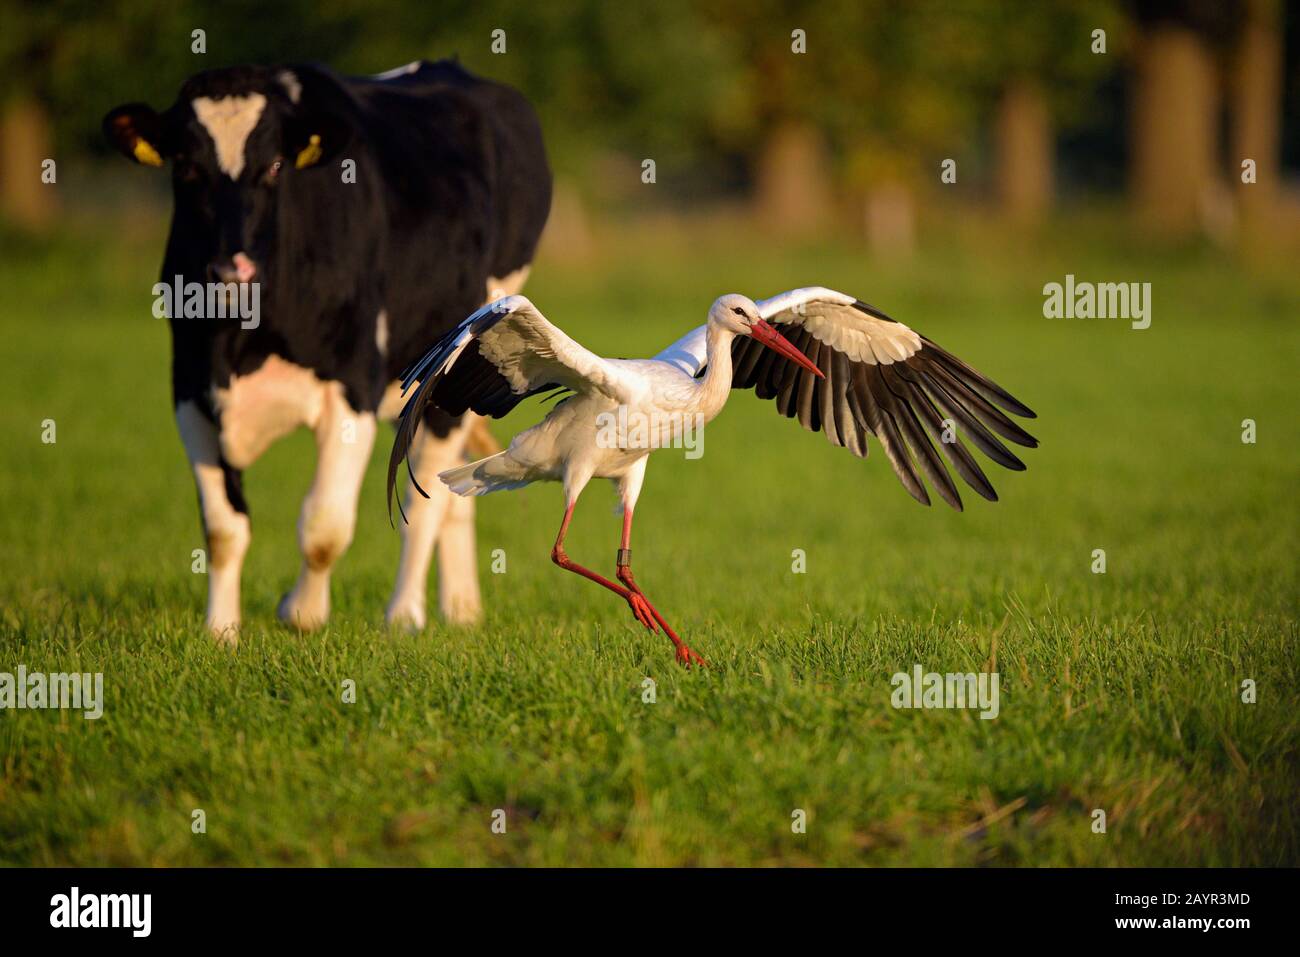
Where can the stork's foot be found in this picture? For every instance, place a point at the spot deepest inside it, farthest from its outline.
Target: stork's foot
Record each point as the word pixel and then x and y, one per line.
pixel 649 616
pixel 643 610
pixel 687 657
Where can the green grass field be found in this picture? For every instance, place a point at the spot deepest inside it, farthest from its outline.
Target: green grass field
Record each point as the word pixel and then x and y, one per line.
pixel 1120 691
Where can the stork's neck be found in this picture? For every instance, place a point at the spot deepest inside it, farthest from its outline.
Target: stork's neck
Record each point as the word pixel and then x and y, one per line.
pixel 715 387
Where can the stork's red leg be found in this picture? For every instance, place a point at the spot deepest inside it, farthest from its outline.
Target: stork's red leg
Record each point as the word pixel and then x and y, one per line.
pixel 684 655
pixel 640 607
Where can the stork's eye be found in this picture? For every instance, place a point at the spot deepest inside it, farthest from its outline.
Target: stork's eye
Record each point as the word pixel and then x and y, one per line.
pixel 738 311
pixel 273 171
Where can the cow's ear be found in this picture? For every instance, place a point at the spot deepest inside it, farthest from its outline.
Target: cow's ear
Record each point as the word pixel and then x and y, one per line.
pixel 313 139
pixel 137 132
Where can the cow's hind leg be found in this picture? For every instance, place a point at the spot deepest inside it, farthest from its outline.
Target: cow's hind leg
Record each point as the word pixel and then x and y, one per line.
pixel 458 593
pixel 225 519
pixel 344 439
pixel 443 518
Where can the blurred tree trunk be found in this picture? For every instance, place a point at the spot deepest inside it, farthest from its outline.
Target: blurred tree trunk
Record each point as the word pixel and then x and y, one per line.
pixel 1024 152
pixel 890 214
pixel 1172 137
pixel 1256 114
pixel 567 236
pixel 793 180
pixel 25 143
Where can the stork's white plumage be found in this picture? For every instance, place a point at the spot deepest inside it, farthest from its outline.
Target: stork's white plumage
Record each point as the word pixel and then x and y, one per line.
pixel 837 364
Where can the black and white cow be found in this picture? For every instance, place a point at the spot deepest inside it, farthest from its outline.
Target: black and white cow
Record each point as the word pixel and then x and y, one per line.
pixel 374 213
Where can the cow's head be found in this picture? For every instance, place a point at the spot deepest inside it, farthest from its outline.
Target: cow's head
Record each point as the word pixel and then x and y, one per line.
pixel 233 137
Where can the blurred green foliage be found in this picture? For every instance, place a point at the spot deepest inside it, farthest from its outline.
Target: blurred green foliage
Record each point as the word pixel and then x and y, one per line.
pixel 686 82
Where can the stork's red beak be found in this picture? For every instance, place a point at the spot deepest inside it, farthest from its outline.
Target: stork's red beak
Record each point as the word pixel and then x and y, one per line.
pixel 765 333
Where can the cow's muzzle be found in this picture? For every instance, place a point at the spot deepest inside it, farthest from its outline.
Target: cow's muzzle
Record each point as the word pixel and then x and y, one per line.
pixel 238 268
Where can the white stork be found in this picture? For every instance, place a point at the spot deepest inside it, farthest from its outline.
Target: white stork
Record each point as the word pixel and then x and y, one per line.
pixel 838 364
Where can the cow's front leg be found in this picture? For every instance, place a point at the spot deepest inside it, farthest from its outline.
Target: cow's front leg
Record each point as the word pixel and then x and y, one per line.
pixel 344 439
pixel 225 519
pixel 443 518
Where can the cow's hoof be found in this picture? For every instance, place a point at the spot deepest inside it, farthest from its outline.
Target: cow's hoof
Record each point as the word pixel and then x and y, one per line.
pixel 405 617
pixel 462 611
pixel 225 634
pixel 302 615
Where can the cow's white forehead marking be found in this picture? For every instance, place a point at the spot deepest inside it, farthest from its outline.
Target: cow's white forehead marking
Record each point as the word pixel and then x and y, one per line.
pixel 228 121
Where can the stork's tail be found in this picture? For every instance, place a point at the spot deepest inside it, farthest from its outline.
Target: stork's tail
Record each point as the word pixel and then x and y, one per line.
pixel 495 473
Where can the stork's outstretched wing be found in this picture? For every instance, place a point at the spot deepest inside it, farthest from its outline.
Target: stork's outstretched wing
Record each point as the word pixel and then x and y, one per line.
pixel 884 379
pixel 494 359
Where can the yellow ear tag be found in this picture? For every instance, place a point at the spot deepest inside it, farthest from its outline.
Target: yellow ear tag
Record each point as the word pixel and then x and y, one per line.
pixel 146 154
pixel 309 154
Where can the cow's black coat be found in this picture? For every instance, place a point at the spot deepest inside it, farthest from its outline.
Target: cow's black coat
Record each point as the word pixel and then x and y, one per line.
pixel 451 187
